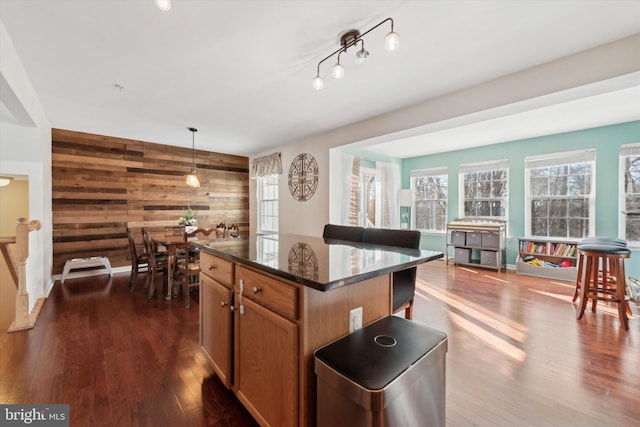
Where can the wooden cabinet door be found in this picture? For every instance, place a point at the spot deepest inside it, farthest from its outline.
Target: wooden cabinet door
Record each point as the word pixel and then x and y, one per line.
pixel 266 365
pixel 216 327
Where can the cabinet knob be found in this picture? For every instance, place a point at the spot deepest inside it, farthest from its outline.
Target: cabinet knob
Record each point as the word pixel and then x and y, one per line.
pixel 211 267
pixel 256 289
pixel 223 304
pixel 232 308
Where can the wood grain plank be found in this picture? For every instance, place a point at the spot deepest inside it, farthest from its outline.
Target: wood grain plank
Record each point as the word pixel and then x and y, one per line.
pixel 107 181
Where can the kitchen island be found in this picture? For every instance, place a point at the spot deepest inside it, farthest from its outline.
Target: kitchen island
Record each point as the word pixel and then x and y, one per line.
pixel 268 301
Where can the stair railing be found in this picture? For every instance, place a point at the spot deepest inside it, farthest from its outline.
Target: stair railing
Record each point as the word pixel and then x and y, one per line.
pixel 18 269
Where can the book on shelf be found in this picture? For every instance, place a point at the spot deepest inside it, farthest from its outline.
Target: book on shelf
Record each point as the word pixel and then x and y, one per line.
pixel 548 248
pixel 563 249
pixel 531 247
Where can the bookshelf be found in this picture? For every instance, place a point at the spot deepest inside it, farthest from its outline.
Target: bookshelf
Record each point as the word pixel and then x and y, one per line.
pixel 551 258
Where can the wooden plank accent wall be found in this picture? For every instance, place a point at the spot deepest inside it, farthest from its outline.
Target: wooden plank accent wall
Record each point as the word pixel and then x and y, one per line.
pixel 101 184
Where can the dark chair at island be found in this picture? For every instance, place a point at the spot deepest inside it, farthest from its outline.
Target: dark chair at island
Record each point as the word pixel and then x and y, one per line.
pixel 404 281
pixel 343 232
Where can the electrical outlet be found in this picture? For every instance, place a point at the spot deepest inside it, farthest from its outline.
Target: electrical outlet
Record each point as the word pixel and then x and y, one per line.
pixel 355 319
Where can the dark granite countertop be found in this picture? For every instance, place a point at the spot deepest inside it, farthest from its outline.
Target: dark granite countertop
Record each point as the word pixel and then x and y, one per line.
pixel 313 261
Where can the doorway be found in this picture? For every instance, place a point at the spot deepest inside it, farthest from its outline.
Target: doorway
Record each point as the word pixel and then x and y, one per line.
pixel 14 199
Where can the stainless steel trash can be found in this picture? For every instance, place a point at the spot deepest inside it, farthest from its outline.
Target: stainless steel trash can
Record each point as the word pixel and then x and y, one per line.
pixel 389 373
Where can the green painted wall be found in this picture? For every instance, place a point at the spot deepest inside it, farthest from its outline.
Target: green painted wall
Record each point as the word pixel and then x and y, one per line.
pixel 605 140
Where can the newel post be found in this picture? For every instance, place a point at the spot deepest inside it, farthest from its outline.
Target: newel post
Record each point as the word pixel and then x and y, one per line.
pixel 23 320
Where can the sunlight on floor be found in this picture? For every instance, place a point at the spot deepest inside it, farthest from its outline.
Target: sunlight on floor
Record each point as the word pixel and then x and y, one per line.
pixel 496 279
pixel 495 321
pixel 489 339
pixel 609 310
pixel 513 330
pixel 565 284
pixel 567 298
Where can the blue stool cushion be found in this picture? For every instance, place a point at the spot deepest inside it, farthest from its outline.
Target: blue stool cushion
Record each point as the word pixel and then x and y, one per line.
pixel 606 240
pixel 604 249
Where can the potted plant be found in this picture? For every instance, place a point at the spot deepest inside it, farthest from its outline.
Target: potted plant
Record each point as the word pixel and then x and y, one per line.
pixel 189 222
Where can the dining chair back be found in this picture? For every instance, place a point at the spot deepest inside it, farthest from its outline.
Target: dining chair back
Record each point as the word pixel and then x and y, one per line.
pixel 173 230
pixel 139 261
pixel 189 265
pixel 158 262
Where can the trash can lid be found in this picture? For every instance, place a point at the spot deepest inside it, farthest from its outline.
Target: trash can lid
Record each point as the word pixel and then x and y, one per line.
pixel 378 353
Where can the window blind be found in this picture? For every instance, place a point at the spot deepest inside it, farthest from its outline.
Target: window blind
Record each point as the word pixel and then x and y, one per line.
pixel 630 150
pixel 483 166
pixel 554 159
pixel 429 172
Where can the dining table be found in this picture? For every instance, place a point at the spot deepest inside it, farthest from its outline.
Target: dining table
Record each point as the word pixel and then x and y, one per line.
pixel 172 243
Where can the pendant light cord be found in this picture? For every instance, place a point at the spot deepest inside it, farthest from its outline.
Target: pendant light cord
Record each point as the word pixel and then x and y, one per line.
pixel 193 146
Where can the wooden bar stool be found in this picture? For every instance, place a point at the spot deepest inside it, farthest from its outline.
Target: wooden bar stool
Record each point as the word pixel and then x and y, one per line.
pixel 581 263
pixel 603 277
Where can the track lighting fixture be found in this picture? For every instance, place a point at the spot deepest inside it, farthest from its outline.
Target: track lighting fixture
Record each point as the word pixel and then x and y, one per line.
pixel 350 38
pixel 163 5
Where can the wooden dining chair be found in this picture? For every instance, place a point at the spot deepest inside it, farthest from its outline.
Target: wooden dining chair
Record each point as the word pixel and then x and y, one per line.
pixel 139 261
pixel 158 262
pixel 189 266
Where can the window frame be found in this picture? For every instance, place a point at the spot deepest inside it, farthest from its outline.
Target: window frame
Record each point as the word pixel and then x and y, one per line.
pixel 442 171
pixel 261 183
pixel 491 166
pixel 626 150
pixel 558 159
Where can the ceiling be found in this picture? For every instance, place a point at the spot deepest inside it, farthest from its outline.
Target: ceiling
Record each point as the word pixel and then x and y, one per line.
pixel 241 71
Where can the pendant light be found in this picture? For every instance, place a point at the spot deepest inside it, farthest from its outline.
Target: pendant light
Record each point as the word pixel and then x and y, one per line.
pixel 192 178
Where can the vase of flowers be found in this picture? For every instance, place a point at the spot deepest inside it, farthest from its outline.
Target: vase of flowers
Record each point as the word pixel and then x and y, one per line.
pixel 189 221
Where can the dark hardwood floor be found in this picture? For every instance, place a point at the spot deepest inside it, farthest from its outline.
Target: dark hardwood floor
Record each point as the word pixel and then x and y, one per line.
pixel 517 356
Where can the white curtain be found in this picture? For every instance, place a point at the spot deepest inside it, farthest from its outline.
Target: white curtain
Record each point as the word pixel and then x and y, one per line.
pixel 345 168
pixel 389 175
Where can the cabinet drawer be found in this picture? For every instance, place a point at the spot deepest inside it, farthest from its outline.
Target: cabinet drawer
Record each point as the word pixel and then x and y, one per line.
pixel 269 292
pixel 217 268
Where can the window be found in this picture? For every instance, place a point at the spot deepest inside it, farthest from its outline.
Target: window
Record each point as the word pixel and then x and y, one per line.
pixel 484 189
pixel 560 194
pixel 630 193
pixel 430 187
pixel 267 253
pixel 267 206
